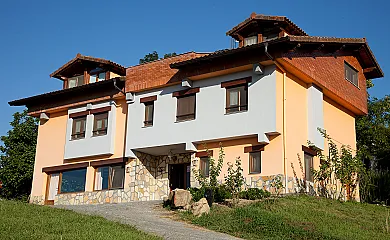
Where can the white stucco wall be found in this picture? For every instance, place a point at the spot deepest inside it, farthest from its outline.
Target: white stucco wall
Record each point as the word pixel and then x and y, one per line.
pixel 315 115
pixel 91 146
pixel 211 122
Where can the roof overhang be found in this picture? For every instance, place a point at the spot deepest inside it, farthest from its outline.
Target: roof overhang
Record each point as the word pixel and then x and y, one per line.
pixel 284 45
pixel 81 63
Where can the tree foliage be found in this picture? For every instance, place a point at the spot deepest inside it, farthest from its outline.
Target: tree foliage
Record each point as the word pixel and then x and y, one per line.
pixel 373 134
pixel 153 56
pixel 18 155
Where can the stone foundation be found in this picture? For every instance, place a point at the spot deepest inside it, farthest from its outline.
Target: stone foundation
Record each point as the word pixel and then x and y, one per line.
pixel 96 197
pixel 39 200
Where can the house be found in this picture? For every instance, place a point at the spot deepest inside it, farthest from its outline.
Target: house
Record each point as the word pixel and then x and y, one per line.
pixel 116 134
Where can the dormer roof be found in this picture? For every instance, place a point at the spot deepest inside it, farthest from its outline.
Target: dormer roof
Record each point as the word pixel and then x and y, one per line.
pixel 260 20
pixel 81 62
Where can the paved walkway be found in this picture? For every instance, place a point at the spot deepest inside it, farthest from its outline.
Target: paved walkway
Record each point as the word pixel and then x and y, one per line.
pixel 149 217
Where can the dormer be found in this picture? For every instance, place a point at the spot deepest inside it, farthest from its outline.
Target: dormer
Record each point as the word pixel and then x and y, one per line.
pixel 85 70
pixel 260 28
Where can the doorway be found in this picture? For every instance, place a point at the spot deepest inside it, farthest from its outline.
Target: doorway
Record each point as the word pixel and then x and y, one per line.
pixel 179 176
pixel 52 188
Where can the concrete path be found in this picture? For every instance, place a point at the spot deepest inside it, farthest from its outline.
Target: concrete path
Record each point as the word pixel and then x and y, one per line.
pixel 149 217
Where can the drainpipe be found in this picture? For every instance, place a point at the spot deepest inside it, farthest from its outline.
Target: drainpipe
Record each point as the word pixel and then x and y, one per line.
pixel 284 116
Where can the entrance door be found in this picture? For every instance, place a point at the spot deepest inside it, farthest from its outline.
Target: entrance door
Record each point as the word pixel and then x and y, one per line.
pixel 53 188
pixel 179 176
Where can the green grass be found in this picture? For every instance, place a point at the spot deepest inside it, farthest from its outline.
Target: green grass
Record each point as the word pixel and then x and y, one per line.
pixel 298 217
pixel 26 221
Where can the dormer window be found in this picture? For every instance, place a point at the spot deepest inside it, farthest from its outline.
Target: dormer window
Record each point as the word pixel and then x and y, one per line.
pixel 270 36
pixel 97 75
pixel 250 40
pixel 76 81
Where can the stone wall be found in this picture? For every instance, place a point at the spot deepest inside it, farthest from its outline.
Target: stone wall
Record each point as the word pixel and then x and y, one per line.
pixel 39 200
pixel 148 180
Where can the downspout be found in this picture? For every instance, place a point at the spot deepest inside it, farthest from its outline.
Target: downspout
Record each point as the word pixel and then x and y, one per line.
pixel 284 139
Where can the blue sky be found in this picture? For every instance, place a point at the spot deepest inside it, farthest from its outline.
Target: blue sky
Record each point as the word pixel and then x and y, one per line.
pixel 37 37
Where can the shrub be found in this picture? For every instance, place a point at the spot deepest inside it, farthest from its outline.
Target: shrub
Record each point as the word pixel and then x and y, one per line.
pixel 374 187
pixel 221 193
pixel 197 193
pixel 254 193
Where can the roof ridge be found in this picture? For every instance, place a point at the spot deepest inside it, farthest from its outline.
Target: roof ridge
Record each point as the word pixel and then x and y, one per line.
pixel 163 59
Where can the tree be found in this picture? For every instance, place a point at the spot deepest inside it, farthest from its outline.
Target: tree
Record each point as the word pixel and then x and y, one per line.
pixel 18 155
pixel 373 133
pixel 153 56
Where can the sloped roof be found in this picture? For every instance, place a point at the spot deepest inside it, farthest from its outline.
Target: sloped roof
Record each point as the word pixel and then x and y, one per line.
pixel 260 17
pixel 114 67
pixel 360 45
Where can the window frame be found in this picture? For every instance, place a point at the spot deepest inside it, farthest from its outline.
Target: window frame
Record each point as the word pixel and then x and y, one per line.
pixel 61 178
pixel 96 73
pixel 77 79
pixel 251 158
pixel 123 165
pixel 250 39
pixel 189 116
pixel 240 107
pixel 74 134
pixel 97 117
pixel 206 166
pixel 148 122
pixel 308 174
pixel 348 68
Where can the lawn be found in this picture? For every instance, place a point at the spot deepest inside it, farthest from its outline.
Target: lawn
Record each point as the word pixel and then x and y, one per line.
pixel 26 221
pixel 298 217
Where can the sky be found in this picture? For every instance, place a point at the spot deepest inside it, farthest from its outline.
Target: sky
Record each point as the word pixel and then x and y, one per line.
pixel 37 37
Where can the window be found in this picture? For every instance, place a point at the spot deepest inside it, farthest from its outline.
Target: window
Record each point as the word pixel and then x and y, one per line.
pixel 255 162
pixel 100 124
pixel 351 74
pixel 250 40
pixel 204 166
pixel 308 167
pixel 237 99
pixel 78 128
pixel 109 177
pixel 149 109
pixel 270 36
pixel 97 77
pixel 73 181
pixel 76 81
pixel 186 108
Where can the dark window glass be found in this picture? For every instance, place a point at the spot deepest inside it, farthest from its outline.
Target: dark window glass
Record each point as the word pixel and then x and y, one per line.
pixel 185 108
pixel 78 128
pixel 100 124
pixel 204 166
pixel 149 110
pixel 110 177
pixel 73 181
pixel 255 162
pixel 308 167
pixel 351 74
pixel 237 99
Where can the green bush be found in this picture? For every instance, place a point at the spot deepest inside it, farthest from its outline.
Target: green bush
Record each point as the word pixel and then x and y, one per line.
pixel 197 193
pixel 254 193
pixel 221 193
pixel 374 187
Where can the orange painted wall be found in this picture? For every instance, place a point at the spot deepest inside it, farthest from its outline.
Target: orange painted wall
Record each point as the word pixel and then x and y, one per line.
pixel 271 157
pixel 50 149
pixel 339 123
pixel 51 142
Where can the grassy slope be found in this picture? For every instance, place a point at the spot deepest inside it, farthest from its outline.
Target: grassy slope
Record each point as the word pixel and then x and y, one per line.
pixel 298 218
pixel 26 221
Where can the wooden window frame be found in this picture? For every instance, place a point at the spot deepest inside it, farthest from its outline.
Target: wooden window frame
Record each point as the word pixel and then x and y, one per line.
pixel 106 75
pixel 201 169
pixel 349 67
pixel 250 162
pixel 81 134
pixel 148 122
pixel 96 117
pixel 185 117
pixel 60 179
pixel 231 85
pixel 109 178
pixel 308 172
